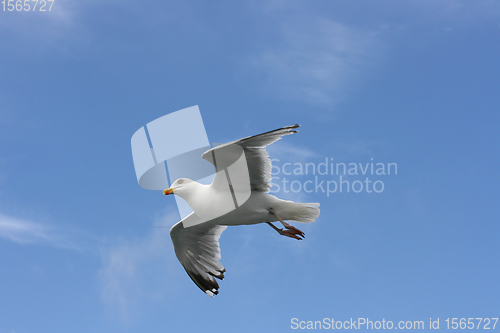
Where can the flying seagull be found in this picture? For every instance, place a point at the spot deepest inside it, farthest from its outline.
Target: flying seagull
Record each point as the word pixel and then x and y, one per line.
pixel 242 200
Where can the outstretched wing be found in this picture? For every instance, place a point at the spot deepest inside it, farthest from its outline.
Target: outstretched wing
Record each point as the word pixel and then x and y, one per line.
pixel 254 147
pixel 197 249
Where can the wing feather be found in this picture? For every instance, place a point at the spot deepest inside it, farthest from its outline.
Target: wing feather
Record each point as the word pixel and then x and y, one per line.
pixel 198 251
pixel 259 164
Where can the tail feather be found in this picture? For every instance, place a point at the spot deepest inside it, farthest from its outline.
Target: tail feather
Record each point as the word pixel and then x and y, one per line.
pixel 302 212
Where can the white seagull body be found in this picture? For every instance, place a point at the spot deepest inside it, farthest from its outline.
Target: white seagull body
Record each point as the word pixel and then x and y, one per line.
pixel 197 246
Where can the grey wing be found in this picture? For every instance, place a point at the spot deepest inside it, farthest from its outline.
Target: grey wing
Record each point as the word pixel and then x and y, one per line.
pixel 197 249
pixel 259 164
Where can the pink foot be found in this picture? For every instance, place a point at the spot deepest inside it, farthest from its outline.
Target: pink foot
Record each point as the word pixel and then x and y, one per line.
pixel 292 233
pixel 294 230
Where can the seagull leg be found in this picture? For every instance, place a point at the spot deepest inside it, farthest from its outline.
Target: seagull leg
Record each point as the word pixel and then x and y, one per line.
pixel 280 231
pixel 290 231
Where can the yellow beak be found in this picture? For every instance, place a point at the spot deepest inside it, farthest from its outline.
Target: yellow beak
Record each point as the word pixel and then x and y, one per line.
pixel 168 191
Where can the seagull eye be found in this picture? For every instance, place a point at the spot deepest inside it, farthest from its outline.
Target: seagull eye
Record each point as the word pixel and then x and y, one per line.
pixel 180 181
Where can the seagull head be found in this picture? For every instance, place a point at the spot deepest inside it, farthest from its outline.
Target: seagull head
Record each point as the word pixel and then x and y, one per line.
pixel 178 187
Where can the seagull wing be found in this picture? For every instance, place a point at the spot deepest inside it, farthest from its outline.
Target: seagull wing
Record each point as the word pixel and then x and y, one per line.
pixel 254 147
pixel 197 249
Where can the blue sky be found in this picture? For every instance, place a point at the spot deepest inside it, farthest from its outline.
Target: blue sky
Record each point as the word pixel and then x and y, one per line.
pixel 409 82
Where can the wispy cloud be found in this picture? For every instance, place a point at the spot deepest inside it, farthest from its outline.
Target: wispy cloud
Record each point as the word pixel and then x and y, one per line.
pixel 27 232
pixel 135 273
pixel 318 59
pixel 24 232
pixel 283 150
pixel 34 33
pixel 468 11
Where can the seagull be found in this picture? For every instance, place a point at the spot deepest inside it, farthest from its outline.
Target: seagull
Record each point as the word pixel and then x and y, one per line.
pixel 241 199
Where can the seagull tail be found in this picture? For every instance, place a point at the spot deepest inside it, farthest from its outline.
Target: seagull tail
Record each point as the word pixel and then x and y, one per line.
pixel 303 212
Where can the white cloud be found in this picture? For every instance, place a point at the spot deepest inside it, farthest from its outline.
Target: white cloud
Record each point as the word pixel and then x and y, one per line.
pixel 469 11
pixel 317 60
pixel 35 33
pixel 23 232
pixel 135 273
pixel 28 232
pixel 283 150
